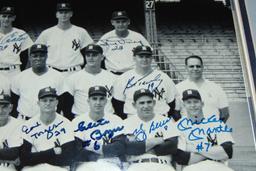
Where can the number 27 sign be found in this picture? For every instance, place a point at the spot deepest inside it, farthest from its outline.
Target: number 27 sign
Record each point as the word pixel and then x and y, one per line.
pixel 149 4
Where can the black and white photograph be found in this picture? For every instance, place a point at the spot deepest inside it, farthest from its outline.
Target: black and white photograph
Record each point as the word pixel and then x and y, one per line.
pixel 128 85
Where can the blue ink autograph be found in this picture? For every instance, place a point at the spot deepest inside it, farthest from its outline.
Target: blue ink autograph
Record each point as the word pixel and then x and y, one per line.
pixel 14 37
pixel 82 127
pixel 150 85
pixel 97 134
pixel 140 133
pixel 199 133
pixel 50 131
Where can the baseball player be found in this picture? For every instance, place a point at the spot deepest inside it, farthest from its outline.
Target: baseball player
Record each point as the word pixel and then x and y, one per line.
pixel 97 133
pixel 214 97
pixel 14 44
pixel 5 85
pixel 207 142
pixel 48 139
pixel 65 42
pixel 9 139
pixel 144 76
pixel 79 83
pixel 151 138
pixel 25 85
pixel 118 44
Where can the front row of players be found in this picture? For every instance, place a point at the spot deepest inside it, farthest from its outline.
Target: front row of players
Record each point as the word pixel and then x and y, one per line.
pixel 102 141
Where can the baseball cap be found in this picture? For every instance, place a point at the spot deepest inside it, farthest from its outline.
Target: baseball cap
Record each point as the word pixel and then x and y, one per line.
pixel 119 15
pixel 5 99
pixel 64 7
pixel 93 48
pixel 142 92
pixel 38 48
pixel 190 93
pixel 47 91
pixel 7 10
pixel 141 49
pixel 97 90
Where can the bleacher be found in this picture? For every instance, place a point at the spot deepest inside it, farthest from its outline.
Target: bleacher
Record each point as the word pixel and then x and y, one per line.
pixel 215 43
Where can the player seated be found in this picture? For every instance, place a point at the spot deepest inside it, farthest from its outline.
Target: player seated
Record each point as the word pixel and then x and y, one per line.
pixel 9 144
pixel 151 139
pixel 206 142
pixel 97 135
pixel 48 140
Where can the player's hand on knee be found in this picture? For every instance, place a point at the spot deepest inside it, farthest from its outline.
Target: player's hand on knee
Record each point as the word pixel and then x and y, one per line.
pixel 57 150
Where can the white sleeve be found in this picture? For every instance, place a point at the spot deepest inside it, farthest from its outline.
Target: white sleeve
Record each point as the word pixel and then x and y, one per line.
pixel 171 90
pixel 222 97
pixel 85 39
pixel 16 140
pixel 42 38
pixel 15 85
pixel 69 133
pixel 171 130
pixel 27 43
pixel 224 136
pixel 144 41
pixel 68 85
pixel 118 89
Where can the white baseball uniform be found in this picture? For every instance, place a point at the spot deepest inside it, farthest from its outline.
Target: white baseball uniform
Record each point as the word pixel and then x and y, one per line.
pixel 199 134
pixel 64 46
pixel 5 85
pixel 145 130
pixel 78 85
pixel 93 132
pixel 10 138
pixel 118 50
pixel 44 137
pixel 157 82
pixel 211 93
pixel 27 85
pixel 11 45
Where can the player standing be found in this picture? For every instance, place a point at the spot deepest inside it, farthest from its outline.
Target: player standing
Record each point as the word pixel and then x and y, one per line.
pixel 25 85
pixel 14 44
pixel 118 44
pixel 144 76
pixel 97 133
pixel 213 96
pixel 48 138
pixel 9 139
pixel 79 83
pixel 208 142
pixel 65 42
pixel 151 138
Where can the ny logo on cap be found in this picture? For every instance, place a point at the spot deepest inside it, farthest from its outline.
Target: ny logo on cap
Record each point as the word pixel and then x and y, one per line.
pixel 142 91
pixel 97 88
pixel 47 89
pixel 1 97
pixel 63 5
pixel 39 46
pixel 90 47
pixel 8 9
pixel 119 13
pixel 144 48
pixel 189 92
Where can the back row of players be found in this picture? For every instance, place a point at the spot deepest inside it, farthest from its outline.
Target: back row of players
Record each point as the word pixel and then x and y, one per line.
pixel 57 61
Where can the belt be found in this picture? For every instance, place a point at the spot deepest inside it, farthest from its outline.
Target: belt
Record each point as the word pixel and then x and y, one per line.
pixel 9 68
pixel 23 117
pixel 75 68
pixel 117 73
pixel 151 160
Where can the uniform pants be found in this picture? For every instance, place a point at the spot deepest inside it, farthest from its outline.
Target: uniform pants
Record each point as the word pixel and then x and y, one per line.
pixel 150 167
pixel 3 168
pixel 98 166
pixel 44 167
pixel 207 165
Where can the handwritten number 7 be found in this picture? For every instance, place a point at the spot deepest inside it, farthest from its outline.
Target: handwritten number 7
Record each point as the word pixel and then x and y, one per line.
pixel 207 146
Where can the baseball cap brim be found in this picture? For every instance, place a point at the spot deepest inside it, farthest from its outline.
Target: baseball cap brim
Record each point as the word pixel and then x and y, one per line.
pixel 97 94
pixel 143 52
pixel 191 97
pixel 143 94
pixel 120 17
pixel 92 50
pixel 47 95
pixel 4 102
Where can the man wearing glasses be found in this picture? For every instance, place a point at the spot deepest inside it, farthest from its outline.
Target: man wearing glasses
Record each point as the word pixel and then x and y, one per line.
pixel 214 97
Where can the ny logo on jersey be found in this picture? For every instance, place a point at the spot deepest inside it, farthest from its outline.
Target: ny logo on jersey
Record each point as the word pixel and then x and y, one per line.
pixel 109 91
pixel 75 44
pixel 5 144
pixel 16 48
pixel 211 140
pixel 158 94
